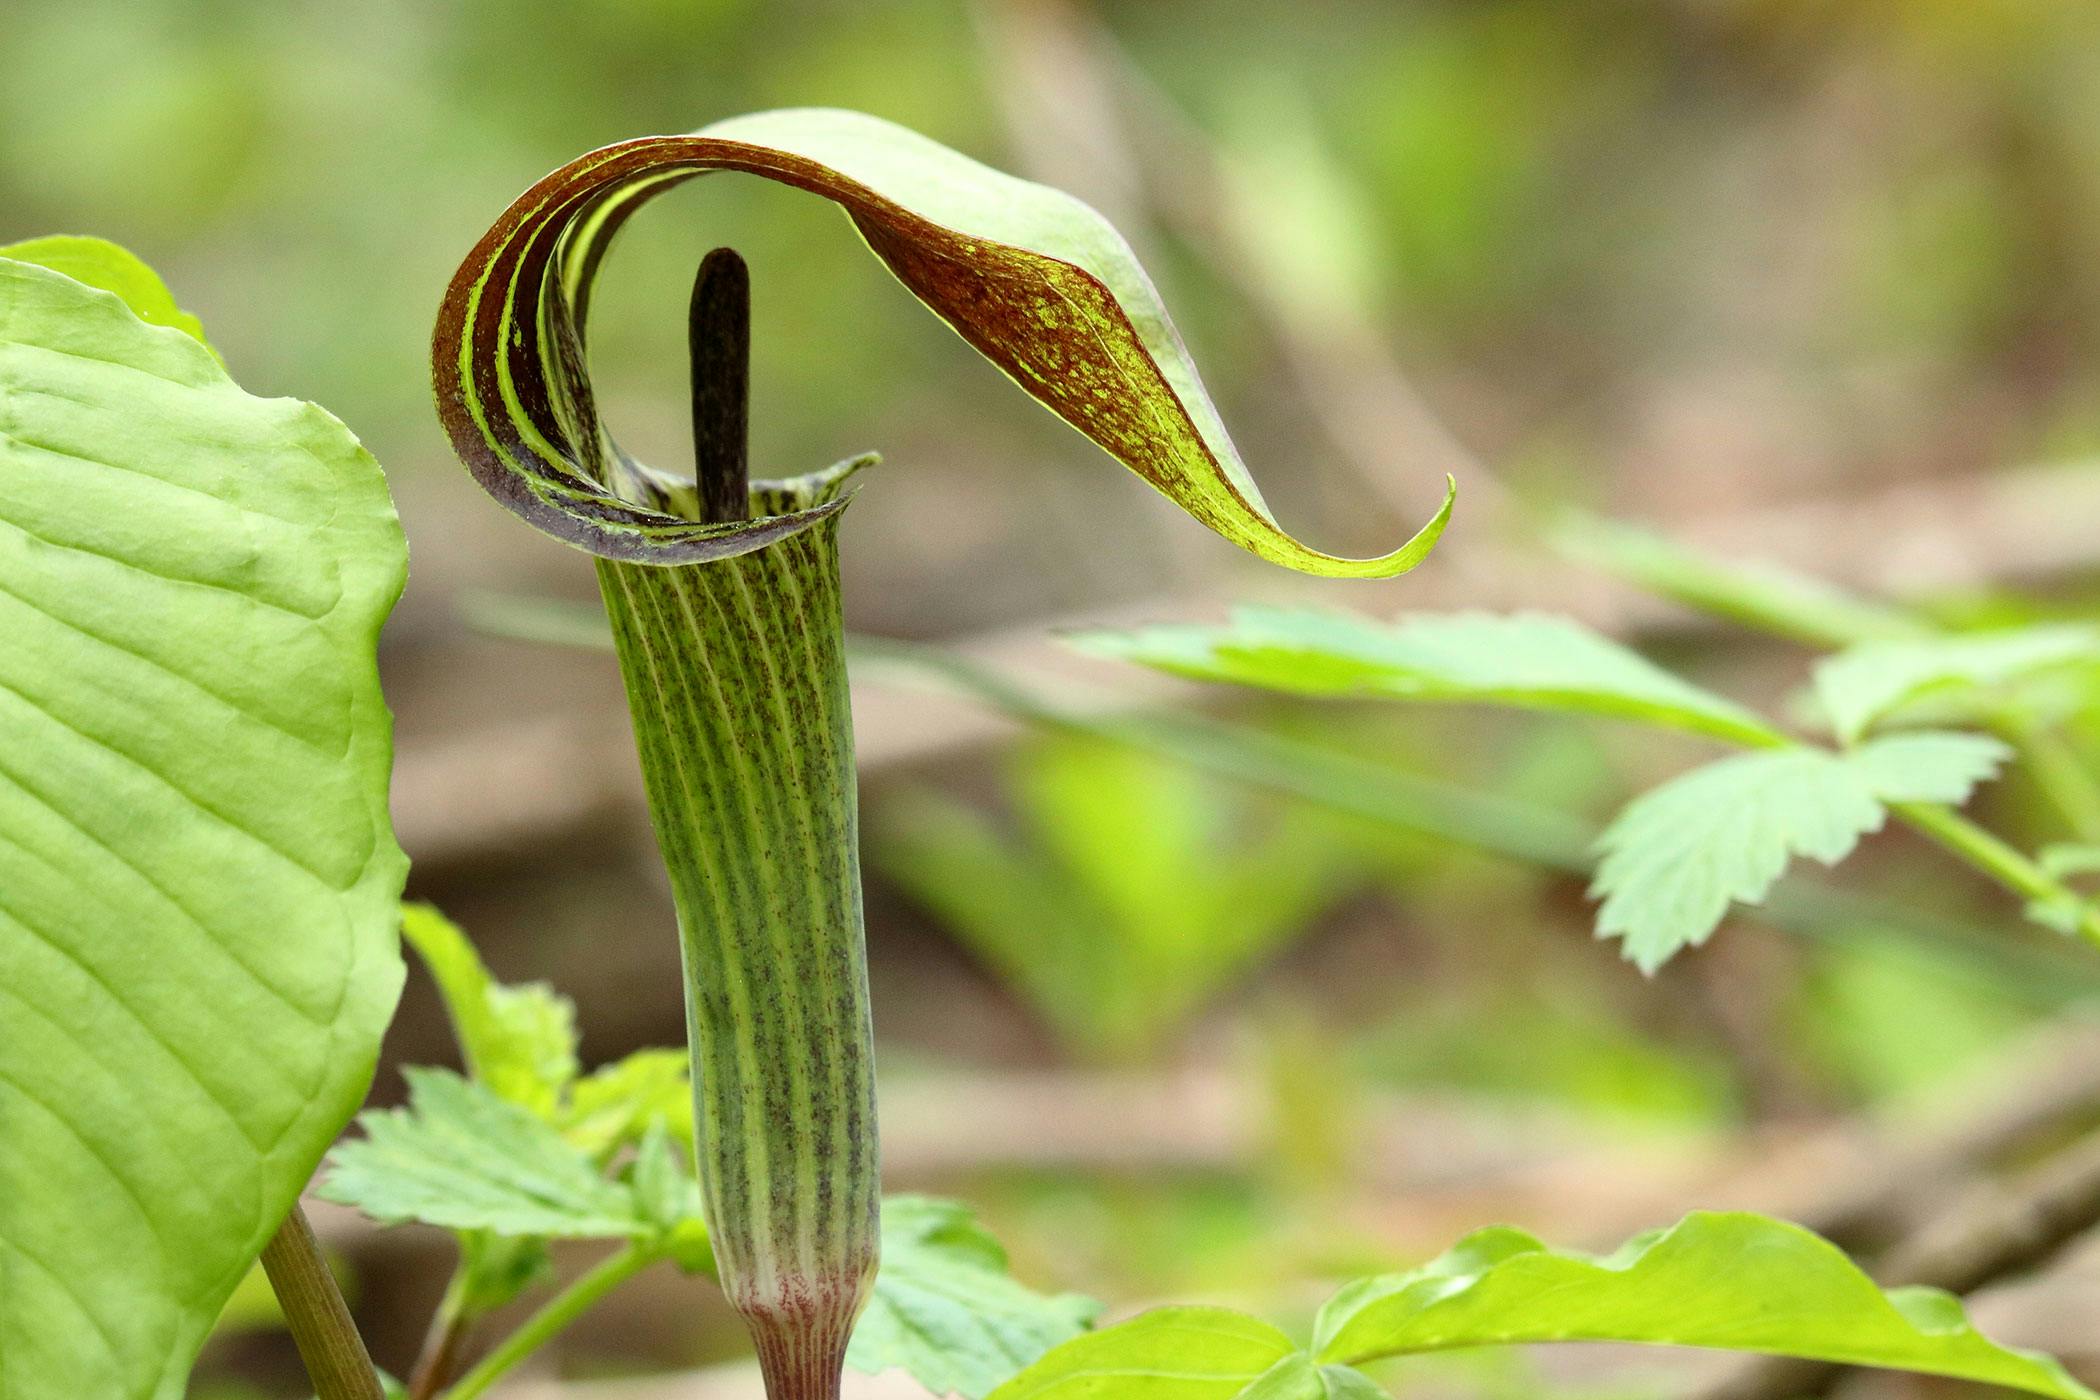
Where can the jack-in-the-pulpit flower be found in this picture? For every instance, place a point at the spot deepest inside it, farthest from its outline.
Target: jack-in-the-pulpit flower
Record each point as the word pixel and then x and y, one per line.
pixel 724 602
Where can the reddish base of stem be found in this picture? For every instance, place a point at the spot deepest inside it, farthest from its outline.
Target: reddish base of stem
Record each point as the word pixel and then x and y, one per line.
pixel 802 1358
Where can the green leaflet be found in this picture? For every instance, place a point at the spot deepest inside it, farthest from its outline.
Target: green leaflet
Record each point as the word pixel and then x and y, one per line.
pixel 462 1157
pixel 519 1040
pixel 946 1310
pixel 1734 1281
pixel 1678 855
pixel 1859 687
pixel 1035 280
pixel 1527 659
pixel 198 882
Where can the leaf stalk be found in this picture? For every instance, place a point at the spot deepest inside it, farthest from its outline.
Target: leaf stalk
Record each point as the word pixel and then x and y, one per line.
pixel 2001 861
pixel 318 1318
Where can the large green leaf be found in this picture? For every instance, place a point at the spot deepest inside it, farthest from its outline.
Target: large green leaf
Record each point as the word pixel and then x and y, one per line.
pixel 1528 660
pixel 1680 854
pixel 1036 281
pixel 1169 1354
pixel 101 263
pixel 198 883
pixel 1859 687
pixel 946 1310
pixel 1735 1281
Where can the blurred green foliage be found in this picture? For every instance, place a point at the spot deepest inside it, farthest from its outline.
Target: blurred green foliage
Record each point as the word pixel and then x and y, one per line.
pixel 1133 891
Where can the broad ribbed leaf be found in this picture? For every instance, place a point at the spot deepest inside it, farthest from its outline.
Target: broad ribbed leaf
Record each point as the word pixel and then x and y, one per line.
pixel 1169 1354
pixel 1036 281
pixel 1862 686
pixel 1680 854
pixel 460 1157
pixel 1529 660
pixel 1734 1281
pixel 198 883
pixel 97 262
pixel 518 1040
pixel 946 1310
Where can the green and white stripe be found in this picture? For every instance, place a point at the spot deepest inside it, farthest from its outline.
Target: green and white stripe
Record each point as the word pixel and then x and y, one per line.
pixel 736 676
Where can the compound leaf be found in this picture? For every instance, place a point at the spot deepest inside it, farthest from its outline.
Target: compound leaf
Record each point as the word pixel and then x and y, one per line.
pixel 1735 1281
pixel 1680 854
pixel 198 882
pixel 460 1157
pixel 1528 660
pixel 1035 280
pixel 946 1310
pixel 1860 687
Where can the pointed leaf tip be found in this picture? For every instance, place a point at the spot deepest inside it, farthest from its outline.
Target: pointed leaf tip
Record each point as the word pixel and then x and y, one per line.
pixel 1035 280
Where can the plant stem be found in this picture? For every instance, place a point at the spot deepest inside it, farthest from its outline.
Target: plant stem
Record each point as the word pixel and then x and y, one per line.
pixel 1998 859
pixel 314 1311
pixel 443 1343
pixel 553 1317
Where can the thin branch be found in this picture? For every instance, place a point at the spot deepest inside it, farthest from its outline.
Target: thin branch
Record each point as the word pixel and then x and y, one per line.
pixel 553 1318
pixel 1993 856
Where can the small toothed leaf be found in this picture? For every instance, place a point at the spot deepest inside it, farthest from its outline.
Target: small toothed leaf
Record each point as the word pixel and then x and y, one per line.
pixel 518 1040
pixel 1678 856
pixel 1928 765
pixel 460 1157
pixel 614 1106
